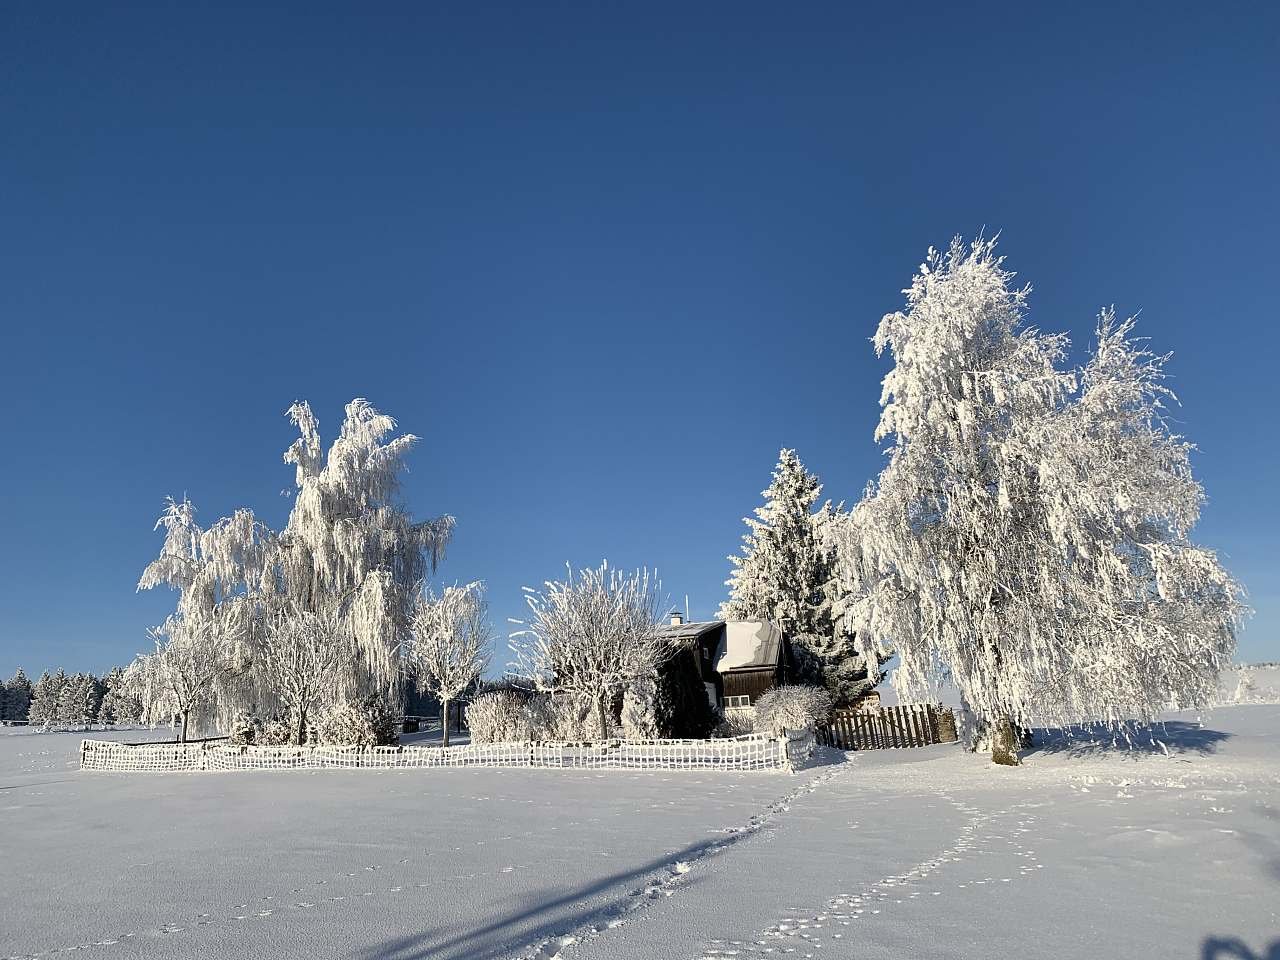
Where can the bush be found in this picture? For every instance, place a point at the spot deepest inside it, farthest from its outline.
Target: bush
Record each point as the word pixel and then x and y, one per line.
pixel 503 716
pixel 792 708
pixel 736 723
pixel 244 729
pixel 369 722
pixel 275 732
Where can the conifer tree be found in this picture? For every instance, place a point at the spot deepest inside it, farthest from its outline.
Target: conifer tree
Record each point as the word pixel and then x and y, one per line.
pixel 17 696
pixel 44 700
pixel 785 574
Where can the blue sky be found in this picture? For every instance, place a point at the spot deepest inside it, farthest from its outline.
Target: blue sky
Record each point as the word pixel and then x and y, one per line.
pixel 604 259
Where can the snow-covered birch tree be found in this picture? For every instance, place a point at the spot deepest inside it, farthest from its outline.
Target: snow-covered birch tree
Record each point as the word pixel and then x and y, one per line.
pixel 347 534
pixel 216 572
pixel 450 638
pixel 592 635
pixel 191 656
pixel 1028 539
pixel 301 656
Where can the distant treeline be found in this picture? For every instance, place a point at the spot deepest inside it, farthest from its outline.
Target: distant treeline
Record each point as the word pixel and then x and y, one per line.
pixel 75 699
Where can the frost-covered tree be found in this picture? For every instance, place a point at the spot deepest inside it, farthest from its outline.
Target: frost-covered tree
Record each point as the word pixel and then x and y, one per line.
pixel 119 703
pixel 449 641
pixel 44 700
pixel 217 573
pixel 1028 539
pixel 592 634
pixel 300 657
pixel 191 658
pixel 18 692
pixel 786 573
pixel 78 700
pixel 348 535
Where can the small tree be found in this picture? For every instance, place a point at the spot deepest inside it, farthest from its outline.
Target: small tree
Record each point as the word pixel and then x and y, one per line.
pixel 189 660
pixel 593 634
pixel 449 644
pixel 301 656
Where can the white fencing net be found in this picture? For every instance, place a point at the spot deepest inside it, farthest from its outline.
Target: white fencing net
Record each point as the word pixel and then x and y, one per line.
pixel 738 753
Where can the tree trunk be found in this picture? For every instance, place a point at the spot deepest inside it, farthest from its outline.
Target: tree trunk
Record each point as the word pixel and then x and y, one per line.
pixel 185 716
pixel 302 727
pixel 1004 743
pixel 603 712
pixel 444 720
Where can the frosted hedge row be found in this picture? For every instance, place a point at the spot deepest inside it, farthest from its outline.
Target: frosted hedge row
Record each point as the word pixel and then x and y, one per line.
pixel 740 753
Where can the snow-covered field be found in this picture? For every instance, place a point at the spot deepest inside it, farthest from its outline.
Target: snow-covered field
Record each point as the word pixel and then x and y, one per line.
pixel 1085 852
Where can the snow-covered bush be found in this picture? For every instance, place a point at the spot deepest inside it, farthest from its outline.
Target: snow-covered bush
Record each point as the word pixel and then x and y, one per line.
pixel 244 729
pixel 275 732
pixel 502 716
pixel 792 708
pixel 573 717
pixel 736 723
pixel 640 710
pixel 369 722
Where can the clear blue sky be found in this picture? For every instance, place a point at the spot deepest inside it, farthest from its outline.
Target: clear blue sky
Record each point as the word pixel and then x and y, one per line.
pixel 604 259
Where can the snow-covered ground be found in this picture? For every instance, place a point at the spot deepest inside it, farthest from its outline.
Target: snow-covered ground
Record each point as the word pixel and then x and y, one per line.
pixel 1087 851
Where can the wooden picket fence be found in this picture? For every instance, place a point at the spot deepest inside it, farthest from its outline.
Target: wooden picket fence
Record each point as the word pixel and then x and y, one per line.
pixel 882 728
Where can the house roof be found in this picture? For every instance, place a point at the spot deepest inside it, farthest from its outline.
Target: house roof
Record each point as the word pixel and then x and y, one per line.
pixel 749 645
pixel 688 631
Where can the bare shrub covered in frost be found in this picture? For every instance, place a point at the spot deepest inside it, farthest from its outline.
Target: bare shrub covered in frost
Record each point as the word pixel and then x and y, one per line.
pixel 737 723
pixel 368 722
pixel 792 708
pixel 593 634
pixel 504 716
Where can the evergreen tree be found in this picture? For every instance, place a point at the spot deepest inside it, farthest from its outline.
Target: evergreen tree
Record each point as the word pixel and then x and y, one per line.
pixel 44 699
pixel 786 574
pixel 17 697
pixel 119 704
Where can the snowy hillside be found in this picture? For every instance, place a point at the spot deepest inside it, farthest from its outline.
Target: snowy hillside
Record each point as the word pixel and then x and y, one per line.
pixel 1084 852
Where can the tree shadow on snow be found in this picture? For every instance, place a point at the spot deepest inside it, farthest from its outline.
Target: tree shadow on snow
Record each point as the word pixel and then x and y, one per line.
pixel 1233 948
pixel 1173 737
pixel 552 915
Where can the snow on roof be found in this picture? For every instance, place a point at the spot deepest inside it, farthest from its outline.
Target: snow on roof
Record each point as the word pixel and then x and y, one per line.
pixel 749 645
pixel 688 631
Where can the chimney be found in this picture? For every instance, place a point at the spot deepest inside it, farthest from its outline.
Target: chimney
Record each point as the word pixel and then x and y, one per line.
pixel 677 618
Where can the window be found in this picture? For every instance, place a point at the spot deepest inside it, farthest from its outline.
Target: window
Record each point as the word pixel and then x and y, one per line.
pixel 731 703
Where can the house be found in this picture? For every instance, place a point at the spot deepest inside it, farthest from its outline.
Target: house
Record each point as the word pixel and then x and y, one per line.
pixel 736 660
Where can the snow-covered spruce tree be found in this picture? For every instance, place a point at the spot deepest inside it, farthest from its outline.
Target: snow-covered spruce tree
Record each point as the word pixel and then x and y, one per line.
pixel 785 574
pixel 119 703
pixel 348 535
pixel 449 640
pixel 301 655
pixel 18 692
pixel 44 699
pixel 592 634
pixel 1028 537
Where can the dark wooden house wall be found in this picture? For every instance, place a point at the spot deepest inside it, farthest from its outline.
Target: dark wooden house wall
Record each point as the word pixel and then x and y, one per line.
pixel 749 683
